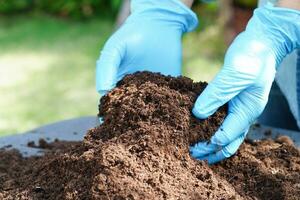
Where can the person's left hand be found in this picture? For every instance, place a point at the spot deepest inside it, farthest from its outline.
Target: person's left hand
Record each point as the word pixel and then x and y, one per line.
pixel 149 40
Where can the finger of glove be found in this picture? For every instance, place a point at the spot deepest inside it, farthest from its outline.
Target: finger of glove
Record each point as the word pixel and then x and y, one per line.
pixel 243 111
pixel 101 120
pixel 226 85
pixel 103 93
pixel 108 64
pixel 202 149
pixel 226 152
pixel 234 125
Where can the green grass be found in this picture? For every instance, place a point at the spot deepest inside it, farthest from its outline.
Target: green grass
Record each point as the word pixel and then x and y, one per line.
pixel 47 70
pixel 47 67
pixel 203 53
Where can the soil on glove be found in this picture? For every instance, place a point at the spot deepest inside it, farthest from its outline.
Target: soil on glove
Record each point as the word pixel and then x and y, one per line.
pixel 141 151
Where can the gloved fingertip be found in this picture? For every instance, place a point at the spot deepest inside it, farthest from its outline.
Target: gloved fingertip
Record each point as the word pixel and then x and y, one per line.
pixel 195 153
pixel 202 149
pixel 101 120
pixel 215 158
pixel 103 92
pixel 210 159
pixel 206 104
pixel 199 112
pixel 233 147
pixel 191 148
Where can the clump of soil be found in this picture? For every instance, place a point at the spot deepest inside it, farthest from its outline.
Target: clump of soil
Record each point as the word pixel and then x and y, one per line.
pixel 55 145
pixel 141 151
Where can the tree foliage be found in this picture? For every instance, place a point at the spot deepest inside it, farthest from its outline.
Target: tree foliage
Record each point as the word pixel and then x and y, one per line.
pixel 66 8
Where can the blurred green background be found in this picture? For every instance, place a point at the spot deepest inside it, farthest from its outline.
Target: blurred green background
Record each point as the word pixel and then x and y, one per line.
pixel 48 54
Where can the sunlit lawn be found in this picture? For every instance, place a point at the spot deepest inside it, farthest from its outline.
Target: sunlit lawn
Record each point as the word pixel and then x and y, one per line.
pixel 47 68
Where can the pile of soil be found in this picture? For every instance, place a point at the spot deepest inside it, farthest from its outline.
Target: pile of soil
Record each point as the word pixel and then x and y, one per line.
pixel 141 151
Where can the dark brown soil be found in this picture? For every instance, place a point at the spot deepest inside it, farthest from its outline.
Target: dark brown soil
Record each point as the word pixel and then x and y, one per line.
pixel 55 145
pixel 141 151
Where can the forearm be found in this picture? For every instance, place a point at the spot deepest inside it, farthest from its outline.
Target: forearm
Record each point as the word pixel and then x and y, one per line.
pixel 125 10
pixel 123 13
pixel 188 3
pixel 293 4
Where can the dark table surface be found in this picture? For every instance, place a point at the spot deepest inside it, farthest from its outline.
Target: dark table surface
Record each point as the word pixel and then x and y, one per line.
pixel 75 129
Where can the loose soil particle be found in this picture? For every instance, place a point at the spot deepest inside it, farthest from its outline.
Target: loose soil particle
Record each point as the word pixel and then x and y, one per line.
pixel 141 151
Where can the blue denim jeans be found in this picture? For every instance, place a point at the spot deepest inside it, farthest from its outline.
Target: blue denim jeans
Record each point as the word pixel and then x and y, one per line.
pixel 283 108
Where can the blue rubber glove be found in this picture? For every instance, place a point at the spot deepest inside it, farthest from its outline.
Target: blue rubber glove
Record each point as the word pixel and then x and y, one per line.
pixel 246 78
pixel 149 40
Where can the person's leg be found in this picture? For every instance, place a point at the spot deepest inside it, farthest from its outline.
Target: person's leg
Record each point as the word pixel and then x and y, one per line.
pixel 298 85
pixel 123 13
pixel 277 112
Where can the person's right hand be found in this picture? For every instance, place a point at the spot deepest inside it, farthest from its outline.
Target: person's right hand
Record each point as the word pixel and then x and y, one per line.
pixel 246 78
pixel 149 40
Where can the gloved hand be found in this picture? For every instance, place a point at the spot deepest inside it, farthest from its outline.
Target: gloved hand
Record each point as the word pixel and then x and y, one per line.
pixel 246 78
pixel 149 40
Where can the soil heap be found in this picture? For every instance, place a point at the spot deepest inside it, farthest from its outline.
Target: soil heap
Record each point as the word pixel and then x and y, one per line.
pixel 141 151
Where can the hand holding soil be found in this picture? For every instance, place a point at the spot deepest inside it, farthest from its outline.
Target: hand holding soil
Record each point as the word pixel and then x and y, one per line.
pixel 245 79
